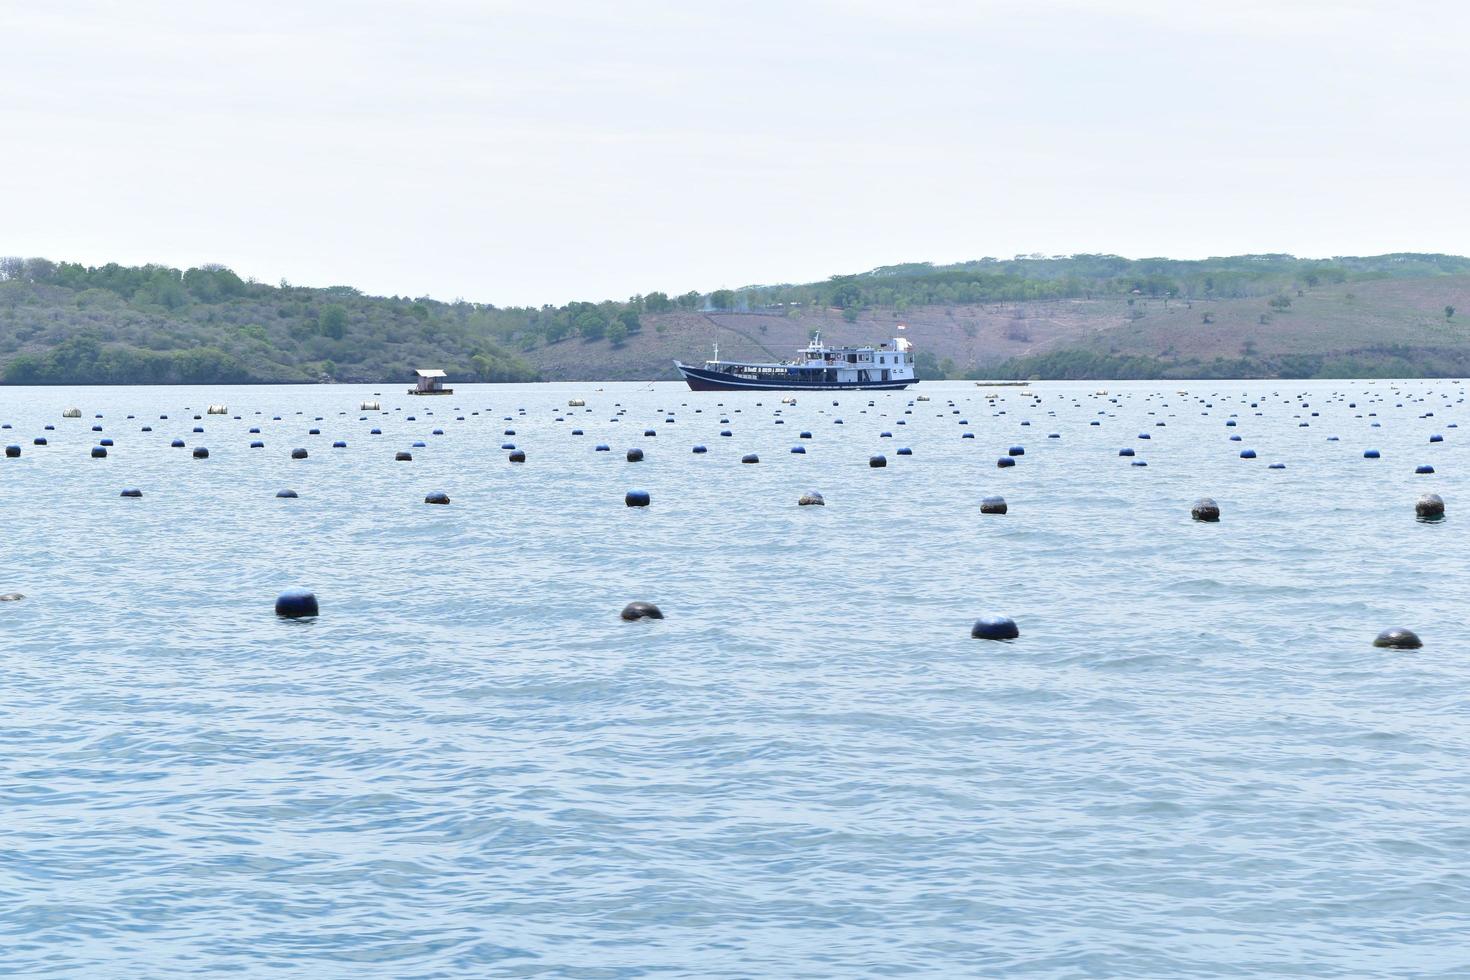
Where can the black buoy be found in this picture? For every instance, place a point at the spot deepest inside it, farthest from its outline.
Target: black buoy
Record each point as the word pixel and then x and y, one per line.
pixel 436 497
pixel 519 456
pixel 1205 509
pixel 298 454
pixel 403 457
pixel 634 455
pixel 131 492
pixel 1430 507
pixel 993 505
pixel 700 449
pixel 257 444
pixel 99 452
pixel 1398 639
pixel 12 451
pixel 1016 451
pixel 812 499
pixel 750 458
pixel 1005 461
pixel 1423 468
pixel 287 494
pixel 296 604
pixel 637 498
pixel 39 441
pixel 201 453
pixel 994 628
pixel 878 462
pixel 641 610
pixel 177 444
pixel 1371 454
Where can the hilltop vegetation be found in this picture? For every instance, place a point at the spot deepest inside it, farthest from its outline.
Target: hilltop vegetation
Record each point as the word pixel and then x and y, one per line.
pixel 1034 316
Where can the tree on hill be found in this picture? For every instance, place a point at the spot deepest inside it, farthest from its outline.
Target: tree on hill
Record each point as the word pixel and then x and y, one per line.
pixel 617 332
pixel 722 299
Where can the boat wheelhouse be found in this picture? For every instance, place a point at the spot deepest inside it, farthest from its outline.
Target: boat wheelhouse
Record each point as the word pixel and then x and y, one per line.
pixel 816 367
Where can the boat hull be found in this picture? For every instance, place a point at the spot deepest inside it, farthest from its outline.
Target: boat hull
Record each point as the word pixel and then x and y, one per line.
pixel 702 379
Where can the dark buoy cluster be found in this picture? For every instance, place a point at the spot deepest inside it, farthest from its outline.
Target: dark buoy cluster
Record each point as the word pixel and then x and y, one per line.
pixel 296 604
pixel 1205 509
pixel 994 628
pixel 1398 639
pixel 641 610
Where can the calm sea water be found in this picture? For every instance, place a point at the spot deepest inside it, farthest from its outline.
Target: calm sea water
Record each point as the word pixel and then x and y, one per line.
pixel 1193 762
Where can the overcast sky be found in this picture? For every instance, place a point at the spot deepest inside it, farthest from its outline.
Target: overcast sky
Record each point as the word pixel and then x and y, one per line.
pixel 528 152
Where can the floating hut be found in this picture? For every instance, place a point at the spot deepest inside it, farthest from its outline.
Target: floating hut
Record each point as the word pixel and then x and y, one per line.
pixel 72 413
pixel 371 406
pixel 431 382
pixel 219 410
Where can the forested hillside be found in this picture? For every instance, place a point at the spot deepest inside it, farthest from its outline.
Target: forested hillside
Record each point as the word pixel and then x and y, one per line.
pixel 1074 316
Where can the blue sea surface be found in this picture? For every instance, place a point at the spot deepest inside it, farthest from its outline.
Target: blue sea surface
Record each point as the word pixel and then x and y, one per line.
pixel 1193 762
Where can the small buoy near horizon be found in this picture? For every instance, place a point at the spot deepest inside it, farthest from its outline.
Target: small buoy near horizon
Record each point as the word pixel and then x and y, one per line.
pixel 1206 510
pixel 287 494
pixel 1398 638
pixel 298 454
pixel 750 458
pixel 296 604
pixel 131 492
pixel 99 452
pixel 403 457
pixel 1005 461
pixel 799 450
pixel 994 628
pixel 177 444
pixel 1423 468
pixel 1429 507
pixel 905 451
pixel 601 447
pixel 1371 454
pixel 641 610
pixel 1125 452
pixel 993 505
pixel 436 497
pixel 699 449
pixel 811 499
pixel 637 498
pixel 1247 454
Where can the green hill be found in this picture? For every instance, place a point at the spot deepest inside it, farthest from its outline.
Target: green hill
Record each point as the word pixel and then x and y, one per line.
pixel 1084 316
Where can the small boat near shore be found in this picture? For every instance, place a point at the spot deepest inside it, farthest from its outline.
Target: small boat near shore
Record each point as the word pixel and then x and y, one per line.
pixel 817 367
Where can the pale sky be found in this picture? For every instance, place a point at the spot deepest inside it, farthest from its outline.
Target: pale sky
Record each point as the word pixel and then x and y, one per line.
pixel 519 153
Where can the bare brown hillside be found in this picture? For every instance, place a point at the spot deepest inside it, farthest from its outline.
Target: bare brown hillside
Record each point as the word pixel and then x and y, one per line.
pixel 1326 320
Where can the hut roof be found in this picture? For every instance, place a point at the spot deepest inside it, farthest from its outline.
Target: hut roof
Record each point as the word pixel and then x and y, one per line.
pixel 430 373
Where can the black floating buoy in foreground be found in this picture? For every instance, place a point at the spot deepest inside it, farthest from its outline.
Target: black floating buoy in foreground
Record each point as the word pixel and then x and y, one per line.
pixel 12 451
pixel 750 458
pixel 700 449
pixel 1398 639
pixel 812 499
pixel 1423 468
pixel 296 604
pixel 1371 454
pixel 436 497
pixel 1016 451
pixel 993 505
pixel 201 453
pixel 1205 509
pixel 994 628
pixel 877 462
pixel 131 492
pixel 99 452
pixel 403 456
pixel 298 454
pixel 637 498
pixel 1005 461
pixel 1430 507
pixel 634 455
pixel 641 610
pixel 519 456
pixel 287 494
